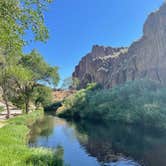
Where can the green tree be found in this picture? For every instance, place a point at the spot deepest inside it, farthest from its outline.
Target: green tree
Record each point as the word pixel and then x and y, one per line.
pixel 67 83
pixel 19 17
pixel 6 84
pixel 70 83
pixel 20 78
pixel 31 73
pixel 43 96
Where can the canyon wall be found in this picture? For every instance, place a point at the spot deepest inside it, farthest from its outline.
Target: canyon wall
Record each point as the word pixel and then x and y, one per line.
pixel 144 59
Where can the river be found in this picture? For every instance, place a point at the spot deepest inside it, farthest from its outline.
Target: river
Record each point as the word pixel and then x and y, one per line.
pixel 86 144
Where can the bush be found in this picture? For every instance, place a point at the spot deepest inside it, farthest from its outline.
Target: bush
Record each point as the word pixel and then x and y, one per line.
pixel 140 102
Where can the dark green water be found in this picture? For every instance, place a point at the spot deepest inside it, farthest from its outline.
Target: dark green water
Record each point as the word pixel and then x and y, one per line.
pixel 97 145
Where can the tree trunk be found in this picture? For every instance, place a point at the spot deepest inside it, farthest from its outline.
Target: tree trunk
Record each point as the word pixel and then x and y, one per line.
pixel 27 105
pixel 5 98
pixel 7 107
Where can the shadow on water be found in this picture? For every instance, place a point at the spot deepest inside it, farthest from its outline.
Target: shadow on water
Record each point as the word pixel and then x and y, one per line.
pixel 108 142
pixel 95 144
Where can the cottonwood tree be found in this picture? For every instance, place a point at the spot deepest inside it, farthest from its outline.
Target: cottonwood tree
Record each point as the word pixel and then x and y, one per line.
pixel 42 96
pixel 17 19
pixel 6 84
pixel 31 73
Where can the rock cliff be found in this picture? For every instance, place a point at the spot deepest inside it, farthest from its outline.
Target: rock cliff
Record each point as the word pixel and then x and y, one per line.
pixel 145 58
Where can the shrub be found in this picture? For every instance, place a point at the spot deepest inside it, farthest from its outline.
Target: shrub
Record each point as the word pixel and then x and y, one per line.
pixel 139 102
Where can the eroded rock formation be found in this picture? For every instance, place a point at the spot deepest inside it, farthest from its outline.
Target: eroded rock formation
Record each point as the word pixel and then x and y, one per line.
pixel 145 58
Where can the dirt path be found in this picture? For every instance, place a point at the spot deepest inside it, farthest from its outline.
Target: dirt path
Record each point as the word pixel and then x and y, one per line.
pixel 2 123
pixel 3 114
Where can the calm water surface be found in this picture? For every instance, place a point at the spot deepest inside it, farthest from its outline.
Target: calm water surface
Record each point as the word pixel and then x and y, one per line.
pixel 97 145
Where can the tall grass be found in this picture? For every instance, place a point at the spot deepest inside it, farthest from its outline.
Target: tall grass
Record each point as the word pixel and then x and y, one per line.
pixel 139 102
pixel 14 150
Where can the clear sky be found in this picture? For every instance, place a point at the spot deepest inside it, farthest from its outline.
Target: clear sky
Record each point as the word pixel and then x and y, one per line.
pixel 76 25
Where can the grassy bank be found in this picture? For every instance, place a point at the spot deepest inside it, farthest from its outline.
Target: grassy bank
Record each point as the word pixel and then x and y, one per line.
pixel 139 102
pixel 14 150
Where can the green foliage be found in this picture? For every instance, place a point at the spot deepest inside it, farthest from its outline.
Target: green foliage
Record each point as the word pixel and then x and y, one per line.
pixel 28 76
pixel 41 71
pixel 20 74
pixel 13 144
pixel 93 87
pixel 19 17
pixel 75 83
pixel 43 157
pixel 67 83
pixel 70 83
pixel 20 77
pixel 139 102
pixel 43 96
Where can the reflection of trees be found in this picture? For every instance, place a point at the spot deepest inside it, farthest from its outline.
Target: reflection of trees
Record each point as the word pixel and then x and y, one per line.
pixel 42 127
pixel 108 143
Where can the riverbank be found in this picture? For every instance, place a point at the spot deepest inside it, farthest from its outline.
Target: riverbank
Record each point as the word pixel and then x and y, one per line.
pixel 13 144
pixel 140 103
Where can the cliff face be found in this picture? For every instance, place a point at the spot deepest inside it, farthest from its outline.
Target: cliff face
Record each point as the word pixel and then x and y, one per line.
pixel 96 66
pixel 145 58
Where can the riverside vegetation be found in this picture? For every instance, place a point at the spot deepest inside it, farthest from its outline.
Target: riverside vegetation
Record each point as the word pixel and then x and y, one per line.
pixel 23 80
pixel 139 102
pixel 13 144
pixel 23 77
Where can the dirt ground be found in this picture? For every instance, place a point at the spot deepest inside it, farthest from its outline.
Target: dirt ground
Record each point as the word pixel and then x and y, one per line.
pixel 2 124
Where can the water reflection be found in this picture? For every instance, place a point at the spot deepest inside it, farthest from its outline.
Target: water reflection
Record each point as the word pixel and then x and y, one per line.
pixel 43 127
pixel 109 143
pixel 94 145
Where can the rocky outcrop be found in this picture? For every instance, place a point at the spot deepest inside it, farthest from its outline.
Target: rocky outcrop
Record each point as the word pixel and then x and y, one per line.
pixel 60 95
pixel 145 58
pixel 96 66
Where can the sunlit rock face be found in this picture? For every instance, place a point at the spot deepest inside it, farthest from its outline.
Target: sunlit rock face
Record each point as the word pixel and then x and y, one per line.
pixel 96 66
pixel 145 58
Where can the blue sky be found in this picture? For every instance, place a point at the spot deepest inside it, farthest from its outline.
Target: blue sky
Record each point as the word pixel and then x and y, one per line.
pixel 76 25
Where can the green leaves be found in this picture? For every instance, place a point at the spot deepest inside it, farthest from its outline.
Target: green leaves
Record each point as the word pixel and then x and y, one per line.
pixel 43 96
pixel 41 71
pixel 17 19
pixel 139 102
pixel 22 74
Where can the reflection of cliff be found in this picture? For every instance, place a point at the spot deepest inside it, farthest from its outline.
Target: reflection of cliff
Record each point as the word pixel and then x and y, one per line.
pixel 145 58
pixel 111 143
pixel 98 143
